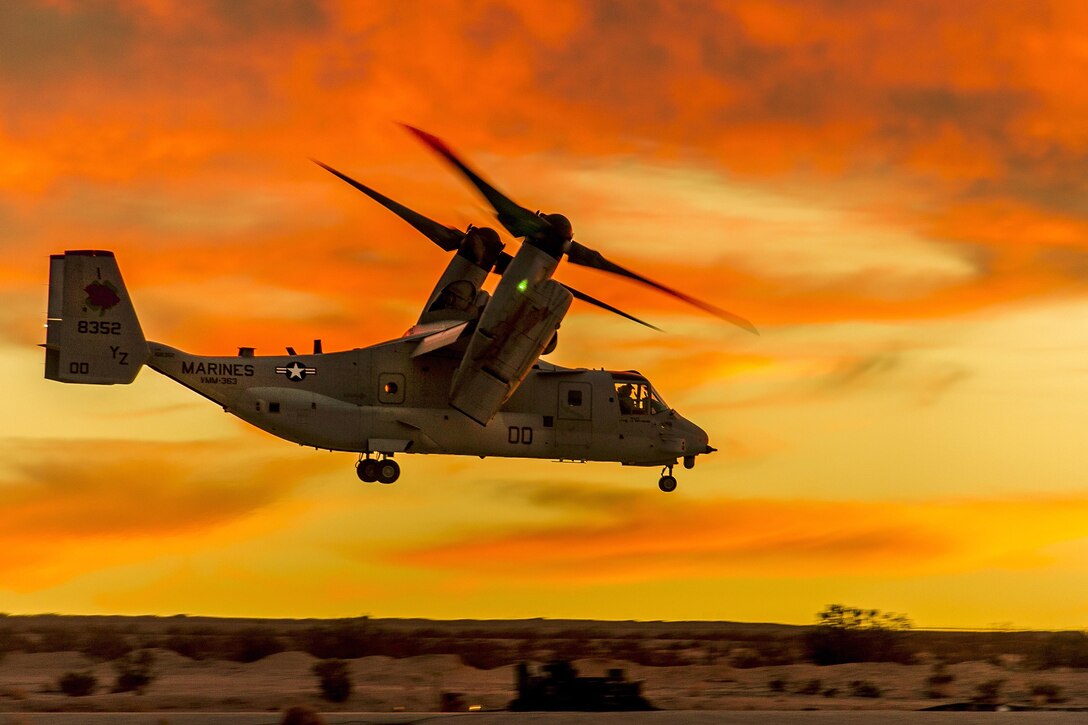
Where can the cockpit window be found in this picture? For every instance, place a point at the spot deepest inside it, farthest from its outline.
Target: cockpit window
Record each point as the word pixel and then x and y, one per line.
pixel 657 405
pixel 637 397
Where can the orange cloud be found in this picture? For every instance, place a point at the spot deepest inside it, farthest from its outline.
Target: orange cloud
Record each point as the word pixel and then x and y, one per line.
pixel 110 502
pixel 628 540
pixel 177 133
pixel 806 164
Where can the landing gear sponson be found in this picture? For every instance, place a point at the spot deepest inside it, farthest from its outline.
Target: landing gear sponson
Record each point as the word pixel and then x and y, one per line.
pixel 382 470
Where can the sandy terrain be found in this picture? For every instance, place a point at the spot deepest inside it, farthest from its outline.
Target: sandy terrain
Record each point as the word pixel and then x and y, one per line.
pixel 382 684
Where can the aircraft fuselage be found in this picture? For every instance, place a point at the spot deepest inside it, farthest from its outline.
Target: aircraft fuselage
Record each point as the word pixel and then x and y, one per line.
pixel 380 399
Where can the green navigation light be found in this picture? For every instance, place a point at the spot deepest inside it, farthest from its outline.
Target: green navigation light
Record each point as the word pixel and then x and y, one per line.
pixel 523 285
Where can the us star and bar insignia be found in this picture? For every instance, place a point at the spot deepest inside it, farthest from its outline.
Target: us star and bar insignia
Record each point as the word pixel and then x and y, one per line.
pixel 296 371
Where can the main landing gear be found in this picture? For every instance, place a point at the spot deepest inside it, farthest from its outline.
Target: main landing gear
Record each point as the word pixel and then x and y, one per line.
pixel 667 482
pixel 382 470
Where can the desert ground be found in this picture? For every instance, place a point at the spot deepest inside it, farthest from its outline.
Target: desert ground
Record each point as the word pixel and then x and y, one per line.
pixel 673 717
pixel 704 670
pixel 383 684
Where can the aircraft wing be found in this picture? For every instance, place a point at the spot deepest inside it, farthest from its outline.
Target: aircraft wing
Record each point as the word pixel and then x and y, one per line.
pixel 438 336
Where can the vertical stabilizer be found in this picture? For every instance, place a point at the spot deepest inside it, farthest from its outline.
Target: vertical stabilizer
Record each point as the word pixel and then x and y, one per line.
pixel 93 335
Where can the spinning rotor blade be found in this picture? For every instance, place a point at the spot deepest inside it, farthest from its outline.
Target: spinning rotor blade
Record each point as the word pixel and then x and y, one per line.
pixel 605 306
pixel 518 220
pixel 445 237
pixel 521 222
pixel 586 257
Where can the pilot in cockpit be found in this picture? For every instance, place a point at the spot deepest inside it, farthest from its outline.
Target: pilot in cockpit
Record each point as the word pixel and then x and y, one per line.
pixel 626 394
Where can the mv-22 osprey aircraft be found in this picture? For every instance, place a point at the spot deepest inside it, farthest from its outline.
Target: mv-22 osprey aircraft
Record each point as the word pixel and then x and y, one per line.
pixel 466 379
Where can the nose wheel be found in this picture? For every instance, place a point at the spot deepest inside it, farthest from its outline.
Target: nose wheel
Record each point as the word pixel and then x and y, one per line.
pixel 667 482
pixel 383 470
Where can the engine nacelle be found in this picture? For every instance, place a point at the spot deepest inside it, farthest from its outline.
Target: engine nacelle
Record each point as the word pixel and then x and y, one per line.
pixel 455 295
pixel 519 322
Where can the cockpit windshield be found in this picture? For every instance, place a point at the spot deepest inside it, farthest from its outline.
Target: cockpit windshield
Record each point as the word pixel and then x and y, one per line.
pixel 636 396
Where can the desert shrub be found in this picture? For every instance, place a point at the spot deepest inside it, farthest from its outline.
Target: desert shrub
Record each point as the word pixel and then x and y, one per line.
pixel 989 692
pixel 1063 649
pixel 778 684
pixel 301 715
pixel 334 679
pixel 78 684
pixel 745 658
pixel 105 645
pixel 864 688
pixel 195 647
pixel 485 655
pixel 847 634
pixel 830 692
pixel 1047 691
pixel 938 681
pixel 565 649
pixel 623 648
pixel 135 672
pixel 765 654
pixel 252 644
pixel 59 639
pixel 351 639
pixel 812 687
pixel 10 641
pixel 632 651
pixel 343 640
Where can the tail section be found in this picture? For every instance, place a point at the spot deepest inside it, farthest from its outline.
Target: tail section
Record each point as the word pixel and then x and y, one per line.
pixel 94 336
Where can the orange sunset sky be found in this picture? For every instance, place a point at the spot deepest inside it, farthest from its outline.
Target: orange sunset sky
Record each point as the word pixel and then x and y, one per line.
pixel 894 192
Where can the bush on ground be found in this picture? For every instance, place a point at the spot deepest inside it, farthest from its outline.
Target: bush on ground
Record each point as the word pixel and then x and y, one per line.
pixel 334 679
pixel 848 634
pixel 485 655
pixel 1063 649
pixel 252 644
pixel 812 687
pixel 937 684
pixel 989 692
pixel 10 641
pixel 59 639
pixel 864 688
pixel 105 645
pixel 301 715
pixel 78 684
pixel 1047 692
pixel 135 672
pixel 195 647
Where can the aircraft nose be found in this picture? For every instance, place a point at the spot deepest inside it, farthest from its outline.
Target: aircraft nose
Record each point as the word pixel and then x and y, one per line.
pixel 702 442
pixel 697 439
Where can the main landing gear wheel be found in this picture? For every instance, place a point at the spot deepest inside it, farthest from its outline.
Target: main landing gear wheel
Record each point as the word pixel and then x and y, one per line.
pixel 388 471
pixel 367 470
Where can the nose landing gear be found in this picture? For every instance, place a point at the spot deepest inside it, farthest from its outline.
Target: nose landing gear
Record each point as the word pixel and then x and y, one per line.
pixel 383 470
pixel 667 482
